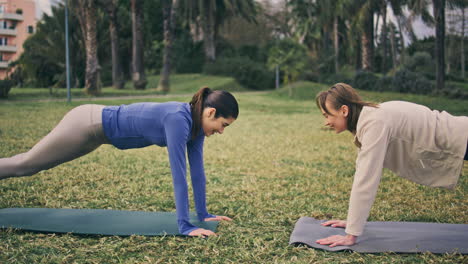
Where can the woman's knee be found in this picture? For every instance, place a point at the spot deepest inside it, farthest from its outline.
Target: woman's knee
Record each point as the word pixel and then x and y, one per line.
pixel 21 165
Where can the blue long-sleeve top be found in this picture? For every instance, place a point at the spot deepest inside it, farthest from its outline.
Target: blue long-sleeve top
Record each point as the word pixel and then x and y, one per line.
pixel 164 124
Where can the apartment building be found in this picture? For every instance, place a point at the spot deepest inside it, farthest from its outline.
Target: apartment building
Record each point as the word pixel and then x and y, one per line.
pixel 17 23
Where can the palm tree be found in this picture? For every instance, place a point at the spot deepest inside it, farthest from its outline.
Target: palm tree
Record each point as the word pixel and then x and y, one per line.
pixel 169 13
pixel 462 46
pixel 359 28
pixel 44 65
pixel 454 19
pixel 439 18
pixel 138 70
pixel 393 49
pixel 87 16
pixel 339 12
pixel 439 15
pixel 292 58
pixel 209 15
pixel 311 22
pixel 367 35
pixel 396 7
pixel 365 23
pixel 383 11
pixel 110 6
pixel 418 9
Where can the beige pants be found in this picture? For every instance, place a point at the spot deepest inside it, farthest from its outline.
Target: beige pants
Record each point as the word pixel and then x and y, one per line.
pixel 79 133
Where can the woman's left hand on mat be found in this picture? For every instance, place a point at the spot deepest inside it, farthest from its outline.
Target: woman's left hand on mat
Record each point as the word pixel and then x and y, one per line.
pixel 218 218
pixel 335 223
pixel 338 240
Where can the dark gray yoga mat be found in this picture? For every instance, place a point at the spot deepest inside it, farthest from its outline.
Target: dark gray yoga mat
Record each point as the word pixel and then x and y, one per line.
pixel 398 237
pixel 95 221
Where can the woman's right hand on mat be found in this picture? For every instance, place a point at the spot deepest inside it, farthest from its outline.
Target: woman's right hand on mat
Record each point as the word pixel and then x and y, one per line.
pixel 335 223
pixel 218 218
pixel 200 232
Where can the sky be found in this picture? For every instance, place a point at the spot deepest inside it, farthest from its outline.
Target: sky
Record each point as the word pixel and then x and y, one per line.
pixel 44 6
pixel 420 29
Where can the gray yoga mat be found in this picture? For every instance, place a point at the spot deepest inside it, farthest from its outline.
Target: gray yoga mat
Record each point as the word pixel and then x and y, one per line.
pixel 95 221
pixel 398 237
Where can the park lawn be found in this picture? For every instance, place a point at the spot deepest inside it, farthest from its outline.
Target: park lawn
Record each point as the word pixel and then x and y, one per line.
pixel 180 84
pixel 308 90
pixel 275 164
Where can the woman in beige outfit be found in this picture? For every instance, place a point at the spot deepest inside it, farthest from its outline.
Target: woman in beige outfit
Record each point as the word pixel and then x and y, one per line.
pixel 423 146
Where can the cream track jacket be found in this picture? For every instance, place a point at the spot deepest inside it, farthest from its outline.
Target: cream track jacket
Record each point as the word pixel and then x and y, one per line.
pixel 423 146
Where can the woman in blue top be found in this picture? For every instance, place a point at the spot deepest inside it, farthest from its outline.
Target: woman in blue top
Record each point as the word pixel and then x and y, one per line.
pixel 181 127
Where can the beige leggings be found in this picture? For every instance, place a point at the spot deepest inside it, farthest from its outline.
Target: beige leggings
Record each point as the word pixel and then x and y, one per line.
pixel 79 133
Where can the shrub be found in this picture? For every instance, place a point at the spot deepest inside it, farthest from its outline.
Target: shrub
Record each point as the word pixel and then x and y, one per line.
pixel 385 83
pixel 188 56
pixel 255 53
pixel 454 93
pixel 248 73
pixel 5 87
pixel 333 78
pixel 345 75
pixel 427 45
pixel 421 62
pixel 454 77
pixel 406 81
pixel 311 76
pixel 365 80
pixel 291 58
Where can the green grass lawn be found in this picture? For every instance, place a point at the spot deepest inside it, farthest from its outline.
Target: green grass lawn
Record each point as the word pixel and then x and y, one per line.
pixel 308 90
pixel 180 83
pixel 272 166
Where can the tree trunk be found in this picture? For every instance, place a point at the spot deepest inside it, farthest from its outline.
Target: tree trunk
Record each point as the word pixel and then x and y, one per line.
pixel 439 15
pixel 384 38
pixel 449 47
pixel 138 70
pixel 169 13
pixel 376 27
pixel 358 53
pixel 367 42
pixel 393 47
pixel 92 64
pixel 208 28
pixel 117 72
pixel 336 43
pixel 462 45
pixel 402 37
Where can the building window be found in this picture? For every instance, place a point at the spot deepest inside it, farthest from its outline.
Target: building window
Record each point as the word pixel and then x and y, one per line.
pixel 2 9
pixel 30 29
pixel 5 24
